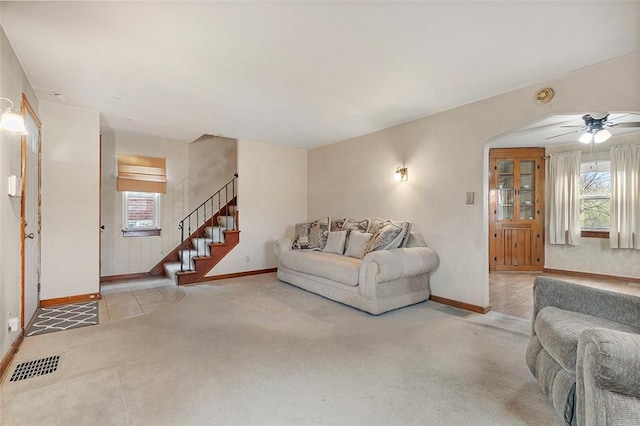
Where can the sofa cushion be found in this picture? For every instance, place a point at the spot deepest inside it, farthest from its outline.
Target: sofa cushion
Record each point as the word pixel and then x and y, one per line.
pixel 335 242
pixel 357 244
pixel 558 331
pixel 311 235
pixel 333 267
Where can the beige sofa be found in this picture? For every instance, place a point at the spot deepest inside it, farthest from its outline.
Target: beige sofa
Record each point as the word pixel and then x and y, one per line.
pixel 379 282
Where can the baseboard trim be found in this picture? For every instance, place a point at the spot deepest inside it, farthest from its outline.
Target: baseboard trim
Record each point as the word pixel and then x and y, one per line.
pixel 123 277
pixel 461 305
pixel 237 275
pixel 589 275
pixel 6 360
pixel 70 299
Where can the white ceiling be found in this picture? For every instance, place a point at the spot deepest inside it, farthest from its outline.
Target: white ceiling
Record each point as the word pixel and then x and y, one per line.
pixel 301 74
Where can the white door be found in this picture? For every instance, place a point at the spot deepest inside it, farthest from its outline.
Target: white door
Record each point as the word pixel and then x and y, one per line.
pixel 31 214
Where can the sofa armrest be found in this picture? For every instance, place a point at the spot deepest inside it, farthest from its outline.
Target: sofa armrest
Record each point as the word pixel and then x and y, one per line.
pixel 608 377
pixel 388 265
pixel 617 307
pixel 282 245
pixel 612 359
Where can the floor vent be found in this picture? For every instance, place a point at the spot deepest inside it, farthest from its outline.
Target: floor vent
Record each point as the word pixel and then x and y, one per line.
pixel 38 367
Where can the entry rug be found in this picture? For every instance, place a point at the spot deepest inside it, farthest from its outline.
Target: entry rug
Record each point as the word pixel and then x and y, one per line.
pixel 64 317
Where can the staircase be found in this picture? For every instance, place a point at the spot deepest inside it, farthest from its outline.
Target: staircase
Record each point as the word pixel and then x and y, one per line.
pixel 208 234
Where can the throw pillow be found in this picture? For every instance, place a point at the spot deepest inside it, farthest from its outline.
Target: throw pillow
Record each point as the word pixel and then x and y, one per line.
pixel 376 225
pixel 336 224
pixel 311 235
pixel 356 225
pixel 352 226
pixel 389 237
pixel 357 246
pixel 335 242
pixel 407 231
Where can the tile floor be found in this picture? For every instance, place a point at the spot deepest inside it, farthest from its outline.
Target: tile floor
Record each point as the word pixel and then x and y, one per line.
pixel 512 292
pixel 127 299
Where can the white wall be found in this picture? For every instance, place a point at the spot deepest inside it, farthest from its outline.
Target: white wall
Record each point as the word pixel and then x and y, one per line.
pixel 70 201
pixel 594 254
pixel 446 157
pixel 194 172
pixel 13 82
pixel 272 198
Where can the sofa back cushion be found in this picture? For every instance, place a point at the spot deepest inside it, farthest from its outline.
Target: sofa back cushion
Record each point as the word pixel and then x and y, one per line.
pixel 312 235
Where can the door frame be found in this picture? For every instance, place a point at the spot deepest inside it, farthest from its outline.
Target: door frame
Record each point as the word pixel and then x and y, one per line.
pixel 27 108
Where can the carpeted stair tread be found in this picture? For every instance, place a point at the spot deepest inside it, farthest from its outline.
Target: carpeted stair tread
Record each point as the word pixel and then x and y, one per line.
pixel 171 268
pixel 215 233
pixel 201 245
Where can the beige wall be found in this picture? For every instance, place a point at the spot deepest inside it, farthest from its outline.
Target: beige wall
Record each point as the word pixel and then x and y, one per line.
pixel 70 201
pixel 594 254
pixel 272 199
pixel 194 172
pixel 447 155
pixel 13 82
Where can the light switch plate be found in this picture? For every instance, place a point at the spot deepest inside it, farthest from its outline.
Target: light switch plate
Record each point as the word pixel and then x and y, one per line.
pixel 470 197
pixel 14 186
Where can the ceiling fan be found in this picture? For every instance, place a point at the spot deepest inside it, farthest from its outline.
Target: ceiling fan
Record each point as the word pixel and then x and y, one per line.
pixel 595 127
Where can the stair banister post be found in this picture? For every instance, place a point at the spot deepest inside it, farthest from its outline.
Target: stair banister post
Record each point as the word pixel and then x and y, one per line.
pixel 181 226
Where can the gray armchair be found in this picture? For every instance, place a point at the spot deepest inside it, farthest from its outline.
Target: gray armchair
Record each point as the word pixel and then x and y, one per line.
pixel 585 352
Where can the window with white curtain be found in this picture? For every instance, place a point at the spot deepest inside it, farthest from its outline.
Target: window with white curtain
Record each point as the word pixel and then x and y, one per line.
pixel 595 195
pixel 625 197
pixel 564 198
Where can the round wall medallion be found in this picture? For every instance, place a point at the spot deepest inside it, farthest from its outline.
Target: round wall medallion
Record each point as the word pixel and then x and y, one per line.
pixel 544 95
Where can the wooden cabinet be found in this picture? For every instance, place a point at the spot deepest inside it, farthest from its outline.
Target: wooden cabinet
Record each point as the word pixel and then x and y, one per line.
pixel 516 209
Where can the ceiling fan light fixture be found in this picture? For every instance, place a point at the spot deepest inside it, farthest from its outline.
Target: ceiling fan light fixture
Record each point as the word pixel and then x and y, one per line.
pixel 602 136
pixel 586 137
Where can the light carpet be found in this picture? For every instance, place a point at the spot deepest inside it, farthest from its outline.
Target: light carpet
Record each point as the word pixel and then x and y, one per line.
pixel 255 351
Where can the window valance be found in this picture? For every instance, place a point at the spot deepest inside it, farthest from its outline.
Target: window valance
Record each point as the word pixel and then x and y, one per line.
pixel 141 174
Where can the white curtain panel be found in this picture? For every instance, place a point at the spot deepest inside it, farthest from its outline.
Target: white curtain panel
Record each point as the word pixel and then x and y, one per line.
pixel 564 198
pixel 625 200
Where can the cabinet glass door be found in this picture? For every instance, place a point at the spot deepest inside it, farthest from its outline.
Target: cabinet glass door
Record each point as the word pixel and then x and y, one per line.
pixel 527 191
pixel 506 189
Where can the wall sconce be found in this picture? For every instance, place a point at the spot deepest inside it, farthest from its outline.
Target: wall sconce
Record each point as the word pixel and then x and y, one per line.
pixel 10 121
pixel 402 174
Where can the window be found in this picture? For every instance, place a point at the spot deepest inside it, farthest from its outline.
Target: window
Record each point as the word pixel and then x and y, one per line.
pixel 595 196
pixel 141 214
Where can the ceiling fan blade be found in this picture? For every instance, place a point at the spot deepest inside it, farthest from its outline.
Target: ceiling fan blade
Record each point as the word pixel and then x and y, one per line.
pixel 628 124
pixel 562 134
pixel 574 125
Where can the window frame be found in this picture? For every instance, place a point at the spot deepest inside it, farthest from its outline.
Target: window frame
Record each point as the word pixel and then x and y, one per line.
pixel 140 231
pixel 594 232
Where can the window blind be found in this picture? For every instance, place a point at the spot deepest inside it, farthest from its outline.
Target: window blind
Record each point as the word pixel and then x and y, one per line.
pixel 141 174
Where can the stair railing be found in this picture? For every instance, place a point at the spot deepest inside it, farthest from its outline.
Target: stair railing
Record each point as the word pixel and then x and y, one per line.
pixel 200 215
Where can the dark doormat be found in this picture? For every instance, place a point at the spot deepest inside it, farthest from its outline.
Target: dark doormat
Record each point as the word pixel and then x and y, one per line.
pixel 64 317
